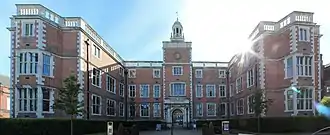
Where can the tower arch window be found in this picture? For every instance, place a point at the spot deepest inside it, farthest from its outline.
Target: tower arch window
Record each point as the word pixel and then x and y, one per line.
pixel 177 30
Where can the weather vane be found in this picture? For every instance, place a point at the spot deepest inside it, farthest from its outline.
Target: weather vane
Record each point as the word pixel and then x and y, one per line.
pixel 177 15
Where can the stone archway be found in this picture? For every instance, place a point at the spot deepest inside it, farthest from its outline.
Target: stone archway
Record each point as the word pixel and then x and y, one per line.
pixel 178 117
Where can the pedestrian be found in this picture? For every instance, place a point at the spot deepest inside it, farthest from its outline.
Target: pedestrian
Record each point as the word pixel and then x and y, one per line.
pixel 194 126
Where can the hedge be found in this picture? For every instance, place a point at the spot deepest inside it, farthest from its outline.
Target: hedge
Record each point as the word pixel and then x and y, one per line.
pixel 62 126
pixel 275 124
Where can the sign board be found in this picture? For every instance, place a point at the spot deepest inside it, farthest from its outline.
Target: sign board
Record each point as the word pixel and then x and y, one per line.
pixel 225 125
pixel 110 128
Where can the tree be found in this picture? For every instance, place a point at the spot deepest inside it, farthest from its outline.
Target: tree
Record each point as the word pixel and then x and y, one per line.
pixel 68 101
pixel 260 105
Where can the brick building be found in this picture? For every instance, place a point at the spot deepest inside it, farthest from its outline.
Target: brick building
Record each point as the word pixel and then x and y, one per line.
pixel 4 97
pixel 326 79
pixel 47 47
pixel 285 54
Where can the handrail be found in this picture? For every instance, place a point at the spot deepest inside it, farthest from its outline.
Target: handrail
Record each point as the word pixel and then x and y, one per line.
pixel 321 130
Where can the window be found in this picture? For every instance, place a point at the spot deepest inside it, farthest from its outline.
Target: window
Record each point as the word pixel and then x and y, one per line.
pixel 289 67
pixel 303 34
pixel 8 103
pixel 144 91
pixel 121 109
pixel 222 73
pixel 156 73
pixel 211 109
pixel 178 89
pixel 240 107
pixel 288 99
pixel 305 99
pixel 132 110
pixel 222 108
pixel 232 108
pixel 111 105
pixel 157 110
pixel 250 78
pixel 111 84
pixel 144 110
pixel 121 89
pixel 96 52
pixel 28 63
pixel 239 85
pixel 121 71
pixel 199 90
pixel 132 90
pixel 131 73
pixel 45 99
pixel 96 77
pixel 27 99
pixel 222 90
pixel 250 104
pixel 304 65
pixel 199 110
pixel 46 65
pixel 210 90
pixel 28 29
pixel 199 73
pixel 231 90
pixel 156 91
pixel 96 105
pixel 177 70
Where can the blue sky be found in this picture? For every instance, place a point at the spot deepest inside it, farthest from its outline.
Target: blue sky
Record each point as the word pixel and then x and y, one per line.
pixel 136 28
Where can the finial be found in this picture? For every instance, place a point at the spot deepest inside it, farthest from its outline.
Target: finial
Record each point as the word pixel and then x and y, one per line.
pixel 177 16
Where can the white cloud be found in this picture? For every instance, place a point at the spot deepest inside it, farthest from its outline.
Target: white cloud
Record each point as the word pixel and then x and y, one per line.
pixel 218 29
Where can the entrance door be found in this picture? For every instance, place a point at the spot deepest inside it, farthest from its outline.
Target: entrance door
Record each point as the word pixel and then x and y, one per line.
pixel 177 118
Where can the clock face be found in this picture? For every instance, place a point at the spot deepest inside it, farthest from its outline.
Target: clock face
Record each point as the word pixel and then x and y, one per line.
pixel 177 55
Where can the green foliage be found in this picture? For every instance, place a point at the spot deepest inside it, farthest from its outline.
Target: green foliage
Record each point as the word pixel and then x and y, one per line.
pixel 67 100
pixel 260 104
pixel 326 101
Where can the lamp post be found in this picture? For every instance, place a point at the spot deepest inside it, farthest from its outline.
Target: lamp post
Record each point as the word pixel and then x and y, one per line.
pixel 88 81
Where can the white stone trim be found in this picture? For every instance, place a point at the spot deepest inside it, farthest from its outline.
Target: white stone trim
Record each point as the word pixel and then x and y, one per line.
pixel 80 68
pixel 294 39
pixel 262 65
pixel 191 87
pixel 12 73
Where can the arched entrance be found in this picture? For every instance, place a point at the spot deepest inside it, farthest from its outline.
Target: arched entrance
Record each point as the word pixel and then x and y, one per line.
pixel 177 118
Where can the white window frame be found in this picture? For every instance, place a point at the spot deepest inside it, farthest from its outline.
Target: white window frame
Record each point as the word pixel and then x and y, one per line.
pixel 46 66
pixel 50 91
pixel 110 87
pixel 305 65
pixel 121 109
pixel 239 85
pixel 154 73
pixel 97 77
pixel 232 108
pixel 30 31
pixel 201 90
pixel 225 104
pixel 289 68
pixel 147 85
pixel 28 99
pixel 129 110
pixel 199 73
pixel 121 71
pixel 94 104
pixel 238 106
pixel 109 107
pixel 289 99
pixel 130 90
pixel 197 109
pixel 250 78
pixel 214 90
pixel 153 88
pixel 224 91
pixel 177 70
pixel 121 90
pixel 215 109
pixel 305 98
pixel 172 91
pixel 131 73
pixel 158 111
pixel 304 34
pixel 96 51
pixel 249 104
pixel 25 63
pixel 148 110
pixel 231 90
pixel 220 71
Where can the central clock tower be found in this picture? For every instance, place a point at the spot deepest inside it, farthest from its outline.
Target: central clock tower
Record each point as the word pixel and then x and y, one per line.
pixel 177 75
